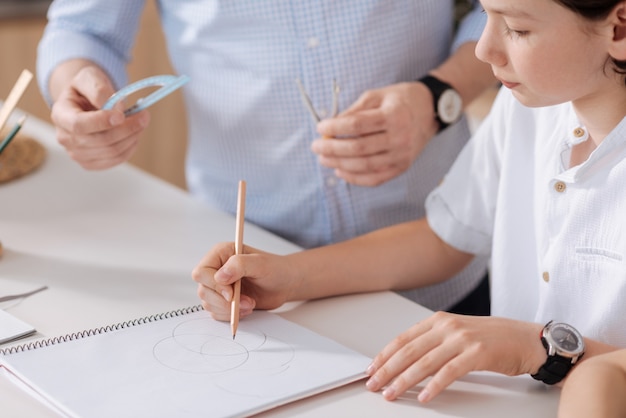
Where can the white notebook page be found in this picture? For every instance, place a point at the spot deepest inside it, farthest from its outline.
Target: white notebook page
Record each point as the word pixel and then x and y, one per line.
pixel 187 366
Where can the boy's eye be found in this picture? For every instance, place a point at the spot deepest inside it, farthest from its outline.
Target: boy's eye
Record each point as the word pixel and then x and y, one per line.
pixel 515 33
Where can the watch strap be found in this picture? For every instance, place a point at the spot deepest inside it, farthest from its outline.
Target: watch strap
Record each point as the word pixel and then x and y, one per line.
pixel 554 369
pixel 436 87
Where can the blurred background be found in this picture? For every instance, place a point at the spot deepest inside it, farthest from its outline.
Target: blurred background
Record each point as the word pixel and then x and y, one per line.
pixel 163 145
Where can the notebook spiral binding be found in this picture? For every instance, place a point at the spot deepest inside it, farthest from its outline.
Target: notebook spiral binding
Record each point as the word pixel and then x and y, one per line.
pixel 96 331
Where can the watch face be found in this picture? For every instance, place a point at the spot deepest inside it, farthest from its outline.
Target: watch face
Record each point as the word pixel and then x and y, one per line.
pixel 450 106
pixel 565 339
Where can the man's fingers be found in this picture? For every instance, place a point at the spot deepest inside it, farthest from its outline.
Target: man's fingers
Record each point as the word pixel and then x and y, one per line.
pixel 106 157
pixel 92 84
pixel 77 107
pixel 369 179
pixel 359 147
pixel 362 123
pixel 80 122
pixel 76 138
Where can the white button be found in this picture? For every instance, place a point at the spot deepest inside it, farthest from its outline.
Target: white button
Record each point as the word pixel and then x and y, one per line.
pixel 313 42
pixel 560 186
pixel 331 181
pixel 579 132
pixel 578 135
pixel 322 113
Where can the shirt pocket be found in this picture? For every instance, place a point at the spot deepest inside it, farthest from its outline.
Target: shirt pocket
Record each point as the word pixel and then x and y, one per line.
pixel 600 255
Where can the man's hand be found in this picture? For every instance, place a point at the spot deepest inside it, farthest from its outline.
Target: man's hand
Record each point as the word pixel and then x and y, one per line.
pixel 96 139
pixel 379 136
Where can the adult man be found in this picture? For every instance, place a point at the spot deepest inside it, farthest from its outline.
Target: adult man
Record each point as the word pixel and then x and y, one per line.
pixel 246 119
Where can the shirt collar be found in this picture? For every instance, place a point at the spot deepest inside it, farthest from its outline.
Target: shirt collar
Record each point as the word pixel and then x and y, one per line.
pixel 577 133
pixel 609 152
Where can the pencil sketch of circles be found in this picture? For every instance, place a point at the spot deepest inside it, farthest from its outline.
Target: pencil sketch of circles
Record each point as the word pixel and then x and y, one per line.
pixel 195 347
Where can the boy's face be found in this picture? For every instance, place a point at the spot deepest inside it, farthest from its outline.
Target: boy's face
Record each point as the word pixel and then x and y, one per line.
pixel 545 53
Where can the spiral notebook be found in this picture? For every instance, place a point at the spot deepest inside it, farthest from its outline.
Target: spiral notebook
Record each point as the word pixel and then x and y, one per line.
pixel 181 364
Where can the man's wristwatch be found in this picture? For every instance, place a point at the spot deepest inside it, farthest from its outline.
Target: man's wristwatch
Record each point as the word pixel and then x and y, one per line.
pixel 447 101
pixel 565 346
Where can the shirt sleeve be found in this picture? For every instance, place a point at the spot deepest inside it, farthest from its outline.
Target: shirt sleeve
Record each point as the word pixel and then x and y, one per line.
pixel 471 26
pixel 102 31
pixel 462 209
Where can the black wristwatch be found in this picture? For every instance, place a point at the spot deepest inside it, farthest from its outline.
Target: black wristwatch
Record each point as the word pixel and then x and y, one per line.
pixel 447 101
pixel 565 346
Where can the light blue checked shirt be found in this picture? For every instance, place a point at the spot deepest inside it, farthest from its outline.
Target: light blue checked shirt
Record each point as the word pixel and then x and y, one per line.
pixel 246 118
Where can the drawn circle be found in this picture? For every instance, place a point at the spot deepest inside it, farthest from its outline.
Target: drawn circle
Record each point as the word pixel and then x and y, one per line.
pixel 237 365
pixel 200 354
pixel 252 340
pixel 268 364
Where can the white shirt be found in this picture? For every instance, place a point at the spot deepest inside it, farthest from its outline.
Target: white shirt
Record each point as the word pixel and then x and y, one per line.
pixel 557 235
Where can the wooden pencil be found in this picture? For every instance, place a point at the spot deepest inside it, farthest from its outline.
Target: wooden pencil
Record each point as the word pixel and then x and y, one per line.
pixel 7 139
pixel 14 96
pixel 241 209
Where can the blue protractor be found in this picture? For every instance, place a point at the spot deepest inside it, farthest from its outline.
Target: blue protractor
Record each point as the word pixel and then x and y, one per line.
pixel 168 84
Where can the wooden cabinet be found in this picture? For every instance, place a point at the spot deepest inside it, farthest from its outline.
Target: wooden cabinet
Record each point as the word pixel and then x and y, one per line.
pixel 163 144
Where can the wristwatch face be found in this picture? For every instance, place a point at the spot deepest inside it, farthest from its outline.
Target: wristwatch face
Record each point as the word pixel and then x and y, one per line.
pixel 565 339
pixel 450 106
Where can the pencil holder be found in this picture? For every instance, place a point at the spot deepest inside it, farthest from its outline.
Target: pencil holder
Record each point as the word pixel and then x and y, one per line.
pixel 22 156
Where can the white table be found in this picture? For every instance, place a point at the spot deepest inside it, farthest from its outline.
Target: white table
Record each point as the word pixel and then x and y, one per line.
pixel 120 244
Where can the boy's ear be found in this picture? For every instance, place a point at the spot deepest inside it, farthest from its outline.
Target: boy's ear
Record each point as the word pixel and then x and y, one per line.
pixel 618 19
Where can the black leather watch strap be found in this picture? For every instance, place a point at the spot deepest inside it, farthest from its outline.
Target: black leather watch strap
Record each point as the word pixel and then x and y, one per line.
pixel 436 87
pixel 554 370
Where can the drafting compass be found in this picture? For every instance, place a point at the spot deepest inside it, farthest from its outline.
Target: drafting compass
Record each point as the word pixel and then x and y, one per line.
pixel 168 84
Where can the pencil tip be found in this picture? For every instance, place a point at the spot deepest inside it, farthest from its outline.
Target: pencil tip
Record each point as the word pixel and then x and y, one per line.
pixel 233 337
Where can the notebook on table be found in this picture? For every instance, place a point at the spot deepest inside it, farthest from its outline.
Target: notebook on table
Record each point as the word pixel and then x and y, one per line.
pixel 12 328
pixel 181 363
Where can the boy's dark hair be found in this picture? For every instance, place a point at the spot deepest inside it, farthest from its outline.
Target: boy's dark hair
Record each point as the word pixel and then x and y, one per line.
pixel 595 10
